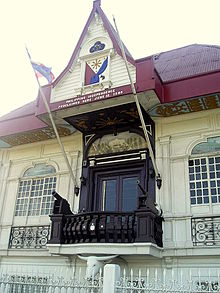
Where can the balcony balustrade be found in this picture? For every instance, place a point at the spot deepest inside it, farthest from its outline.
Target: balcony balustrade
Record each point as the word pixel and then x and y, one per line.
pixel 142 225
pixel 206 231
pixel 29 237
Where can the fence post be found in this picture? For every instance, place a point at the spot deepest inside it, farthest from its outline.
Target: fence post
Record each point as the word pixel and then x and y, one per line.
pixel 111 276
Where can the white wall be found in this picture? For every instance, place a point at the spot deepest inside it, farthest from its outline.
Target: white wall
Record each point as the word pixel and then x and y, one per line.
pixel 175 138
pixel 17 160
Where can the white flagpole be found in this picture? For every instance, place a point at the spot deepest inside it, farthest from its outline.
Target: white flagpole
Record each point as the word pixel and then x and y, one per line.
pixel 158 178
pixel 54 125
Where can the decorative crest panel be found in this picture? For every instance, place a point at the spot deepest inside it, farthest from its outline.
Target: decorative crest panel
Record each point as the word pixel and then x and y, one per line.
pixel 124 141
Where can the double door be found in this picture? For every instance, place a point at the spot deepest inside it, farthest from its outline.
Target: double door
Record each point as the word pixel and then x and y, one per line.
pixel 117 190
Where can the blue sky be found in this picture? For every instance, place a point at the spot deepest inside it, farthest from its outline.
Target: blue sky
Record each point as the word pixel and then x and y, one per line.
pixel 52 28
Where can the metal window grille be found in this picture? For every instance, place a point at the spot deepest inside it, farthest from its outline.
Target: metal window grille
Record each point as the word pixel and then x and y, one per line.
pixel 35 196
pixel 204 180
pixel 206 231
pixel 29 237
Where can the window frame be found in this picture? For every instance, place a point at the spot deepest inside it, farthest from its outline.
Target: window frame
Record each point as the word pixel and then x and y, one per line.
pixel 35 218
pixel 199 207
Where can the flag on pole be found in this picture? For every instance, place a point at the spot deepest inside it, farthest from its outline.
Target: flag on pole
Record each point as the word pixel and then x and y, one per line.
pixel 41 70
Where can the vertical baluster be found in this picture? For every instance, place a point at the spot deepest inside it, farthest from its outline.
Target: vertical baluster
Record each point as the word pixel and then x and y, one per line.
pixel 164 279
pixel 124 285
pixel 131 274
pixel 92 283
pixel 50 289
pixel 199 279
pixel 218 285
pixel 111 228
pixel 147 280
pixel 100 280
pixel 4 277
pixel 181 279
pixel 48 283
pixel 57 290
pixel 80 273
pixel 8 279
pixel 155 279
pixel 65 231
pixel 173 281
pixel 190 280
pixel 23 281
pixel 68 276
pixel 30 287
pixel 139 285
pixel 36 281
pixel 2 287
pixel 63 290
pixel 209 282
pixel 7 287
pixel 69 290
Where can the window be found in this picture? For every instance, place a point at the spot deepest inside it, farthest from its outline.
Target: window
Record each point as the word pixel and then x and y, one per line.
pixel 212 145
pixel 117 190
pixel 204 173
pixel 204 178
pixel 35 191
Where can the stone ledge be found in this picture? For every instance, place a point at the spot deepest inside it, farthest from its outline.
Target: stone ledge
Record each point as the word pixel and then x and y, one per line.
pixel 147 249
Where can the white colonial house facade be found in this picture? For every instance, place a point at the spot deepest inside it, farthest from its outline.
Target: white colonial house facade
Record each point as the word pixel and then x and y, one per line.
pixel 115 205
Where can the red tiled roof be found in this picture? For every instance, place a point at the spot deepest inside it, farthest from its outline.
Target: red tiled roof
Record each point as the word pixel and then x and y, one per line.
pixel 189 61
pixel 20 120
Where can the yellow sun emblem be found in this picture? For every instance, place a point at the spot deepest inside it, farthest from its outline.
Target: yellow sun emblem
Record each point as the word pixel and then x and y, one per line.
pixel 96 64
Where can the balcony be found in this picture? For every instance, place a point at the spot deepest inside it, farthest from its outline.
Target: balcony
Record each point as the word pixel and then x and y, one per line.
pixel 29 237
pixel 141 226
pixel 206 231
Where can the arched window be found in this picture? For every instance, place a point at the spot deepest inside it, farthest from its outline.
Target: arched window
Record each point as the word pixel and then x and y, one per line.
pixel 204 173
pixel 34 196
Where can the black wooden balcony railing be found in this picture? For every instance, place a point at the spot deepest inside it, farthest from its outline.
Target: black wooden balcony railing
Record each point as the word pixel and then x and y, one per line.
pixel 142 225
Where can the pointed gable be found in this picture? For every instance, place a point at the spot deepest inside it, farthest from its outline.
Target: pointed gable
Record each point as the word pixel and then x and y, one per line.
pixel 96 63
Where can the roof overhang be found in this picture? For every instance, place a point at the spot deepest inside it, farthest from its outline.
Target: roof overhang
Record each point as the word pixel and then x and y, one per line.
pixel 110 119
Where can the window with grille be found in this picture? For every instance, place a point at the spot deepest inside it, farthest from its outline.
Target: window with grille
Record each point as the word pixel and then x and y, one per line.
pixel 204 174
pixel 204 177
pixel 35 191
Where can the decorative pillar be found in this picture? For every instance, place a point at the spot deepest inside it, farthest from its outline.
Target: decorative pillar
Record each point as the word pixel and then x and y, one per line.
pixel 149 222
pixel 56 236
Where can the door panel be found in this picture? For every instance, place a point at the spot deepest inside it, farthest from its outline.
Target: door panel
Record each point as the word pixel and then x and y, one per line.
pixel 129 193
pixel 108 194
pixel 117 191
